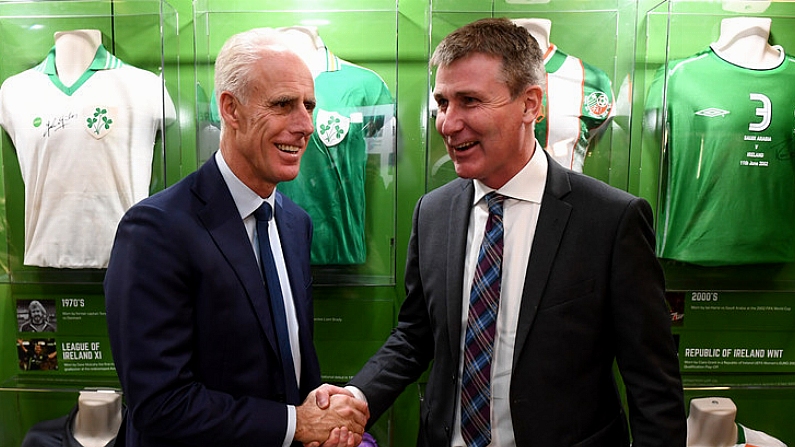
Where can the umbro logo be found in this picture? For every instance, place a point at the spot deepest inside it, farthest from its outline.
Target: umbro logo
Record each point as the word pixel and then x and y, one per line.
pixel 712 112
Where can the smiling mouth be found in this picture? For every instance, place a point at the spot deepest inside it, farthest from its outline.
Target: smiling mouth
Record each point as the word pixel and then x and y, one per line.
pixel 463 146
pixel 288 148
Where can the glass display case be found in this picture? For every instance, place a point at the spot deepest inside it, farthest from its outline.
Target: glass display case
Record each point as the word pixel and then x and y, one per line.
pixel 715 160
pixel 88 108
pixel 372 157
pixel 65 190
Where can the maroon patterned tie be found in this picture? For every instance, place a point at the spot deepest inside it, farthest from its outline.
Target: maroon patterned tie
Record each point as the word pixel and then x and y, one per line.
pixel 484 300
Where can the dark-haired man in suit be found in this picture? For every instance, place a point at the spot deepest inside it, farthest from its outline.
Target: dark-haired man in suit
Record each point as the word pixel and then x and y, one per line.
pixel 525 281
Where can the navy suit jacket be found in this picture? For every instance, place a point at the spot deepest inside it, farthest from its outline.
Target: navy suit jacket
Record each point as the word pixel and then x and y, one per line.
pixel 189 320
pixel 593 295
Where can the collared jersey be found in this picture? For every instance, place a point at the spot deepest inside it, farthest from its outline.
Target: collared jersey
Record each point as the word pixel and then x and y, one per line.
pixel 331 183
pixel 578 103
pixel 729 174
pixel 85 154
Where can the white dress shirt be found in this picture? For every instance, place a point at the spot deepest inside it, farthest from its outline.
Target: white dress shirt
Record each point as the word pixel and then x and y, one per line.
pixel 247 201
pixel 520 216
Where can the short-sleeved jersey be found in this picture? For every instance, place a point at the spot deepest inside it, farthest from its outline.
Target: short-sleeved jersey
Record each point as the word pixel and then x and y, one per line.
pixel 85 154
pixel 331 183
pixel 728 193
pixel 578 103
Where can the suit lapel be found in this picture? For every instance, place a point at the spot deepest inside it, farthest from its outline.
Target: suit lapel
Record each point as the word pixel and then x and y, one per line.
pixel 222 220
pixel 552 220
pixel 460 207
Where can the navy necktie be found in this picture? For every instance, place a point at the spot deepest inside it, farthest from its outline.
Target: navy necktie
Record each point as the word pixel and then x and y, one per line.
pixel 484 300
pixel 263 214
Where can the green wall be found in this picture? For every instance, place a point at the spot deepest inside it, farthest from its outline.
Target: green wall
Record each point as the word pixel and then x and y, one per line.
pixel 627 39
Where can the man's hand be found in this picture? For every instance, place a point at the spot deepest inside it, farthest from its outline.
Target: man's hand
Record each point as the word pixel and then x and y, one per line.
pixel 332 416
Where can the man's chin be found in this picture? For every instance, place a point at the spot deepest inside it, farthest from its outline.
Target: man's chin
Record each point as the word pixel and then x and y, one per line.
pixel 464 171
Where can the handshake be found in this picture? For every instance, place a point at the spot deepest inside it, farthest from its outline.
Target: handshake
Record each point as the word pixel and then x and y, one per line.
pixel 331 417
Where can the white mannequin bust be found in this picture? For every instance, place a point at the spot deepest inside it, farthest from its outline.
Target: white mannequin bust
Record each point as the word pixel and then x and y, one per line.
pixel 539 29
pixel 743 41
pixel 74 52
pixel 711 422
pixel 305 41
pixel 98 418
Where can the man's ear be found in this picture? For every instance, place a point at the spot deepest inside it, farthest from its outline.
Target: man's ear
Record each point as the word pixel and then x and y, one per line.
pixel 533 103
pixel 228 107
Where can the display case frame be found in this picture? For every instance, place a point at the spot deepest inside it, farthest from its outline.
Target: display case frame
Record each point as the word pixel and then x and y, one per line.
pixel 140 33
pixel 671 31
pixel 733 322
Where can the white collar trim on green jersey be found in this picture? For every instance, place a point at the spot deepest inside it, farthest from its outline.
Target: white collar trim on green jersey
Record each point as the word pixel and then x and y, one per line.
pixel 103 60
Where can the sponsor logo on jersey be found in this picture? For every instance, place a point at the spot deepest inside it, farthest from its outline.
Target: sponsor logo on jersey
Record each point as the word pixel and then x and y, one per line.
pixel 332 127
pixel 99 121
pixel 712 112
pixel 598 104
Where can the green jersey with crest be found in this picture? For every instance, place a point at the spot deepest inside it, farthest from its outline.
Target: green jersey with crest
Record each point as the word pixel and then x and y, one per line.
pixel 352 105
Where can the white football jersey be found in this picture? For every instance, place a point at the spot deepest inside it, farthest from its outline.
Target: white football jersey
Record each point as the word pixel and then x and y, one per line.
pixel 85 154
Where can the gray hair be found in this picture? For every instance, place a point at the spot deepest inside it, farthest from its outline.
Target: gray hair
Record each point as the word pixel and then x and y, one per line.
pixel 522 60
pixel 237 59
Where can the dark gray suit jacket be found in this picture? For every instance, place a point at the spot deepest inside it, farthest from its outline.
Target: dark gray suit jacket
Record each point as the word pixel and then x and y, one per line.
pixel 189 320
pixel 593 294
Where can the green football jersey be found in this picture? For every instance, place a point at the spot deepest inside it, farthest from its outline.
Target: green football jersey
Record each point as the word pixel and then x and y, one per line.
pixel 331 183
pixel 728 192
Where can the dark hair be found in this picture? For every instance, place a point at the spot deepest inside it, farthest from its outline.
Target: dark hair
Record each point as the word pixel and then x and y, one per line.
pixel 522 60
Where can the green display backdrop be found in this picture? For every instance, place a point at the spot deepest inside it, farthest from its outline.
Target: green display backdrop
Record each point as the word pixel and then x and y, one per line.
pixel 734 324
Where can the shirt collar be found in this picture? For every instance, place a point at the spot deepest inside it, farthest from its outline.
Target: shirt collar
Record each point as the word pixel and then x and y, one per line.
pixel 103 60
pixel 329 60
pixel 527 185
pixel 246 200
